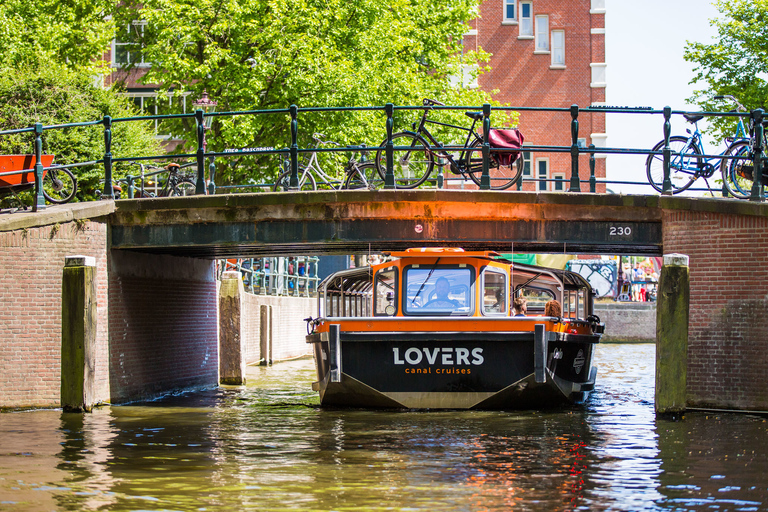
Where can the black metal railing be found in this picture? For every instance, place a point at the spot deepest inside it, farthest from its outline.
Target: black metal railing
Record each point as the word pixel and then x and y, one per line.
pixel 292 151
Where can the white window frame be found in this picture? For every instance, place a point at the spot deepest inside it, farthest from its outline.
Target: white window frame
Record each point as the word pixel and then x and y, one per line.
pixel 526 22
pixel 541 31
pixel 527 157
pixel 509 5
pixel 542 185
pixel 138 25
pixel 153 94
pixel 559 184
pixel 558 49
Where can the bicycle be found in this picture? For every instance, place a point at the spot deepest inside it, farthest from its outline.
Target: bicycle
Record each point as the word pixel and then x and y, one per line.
pixel 177 184
pixel 738 172
pixel 414 166
pixel 687 162
pixel 357 174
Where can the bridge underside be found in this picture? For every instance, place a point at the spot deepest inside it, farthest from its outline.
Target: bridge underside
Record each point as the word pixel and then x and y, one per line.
pixel 348 222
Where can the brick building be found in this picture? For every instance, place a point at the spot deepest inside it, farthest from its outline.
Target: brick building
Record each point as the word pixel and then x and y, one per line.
pixel 547 53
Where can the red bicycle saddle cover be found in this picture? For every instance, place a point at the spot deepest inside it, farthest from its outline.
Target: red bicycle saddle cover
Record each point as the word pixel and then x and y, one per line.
pixel 508 138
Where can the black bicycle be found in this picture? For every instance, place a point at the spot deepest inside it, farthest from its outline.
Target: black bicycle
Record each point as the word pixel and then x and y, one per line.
pixel 177 183
pixel 413 166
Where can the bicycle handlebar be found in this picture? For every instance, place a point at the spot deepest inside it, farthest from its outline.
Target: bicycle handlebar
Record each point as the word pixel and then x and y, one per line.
pixel 739 106
pixel 429 102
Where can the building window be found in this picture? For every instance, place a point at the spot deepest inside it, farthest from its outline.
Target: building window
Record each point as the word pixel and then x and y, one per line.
pixel 558 185
pixel 542 170
pixel 526 156
pixel 127 46
pixel 542 33
pixel 149 103
pixel 526 19
pixel 509 10
pixel 558 48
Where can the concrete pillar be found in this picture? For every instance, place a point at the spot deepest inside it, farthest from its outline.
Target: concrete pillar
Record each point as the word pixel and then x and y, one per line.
pixel 78 333
pixel 231 339
pixel 265 335
pixel 672 335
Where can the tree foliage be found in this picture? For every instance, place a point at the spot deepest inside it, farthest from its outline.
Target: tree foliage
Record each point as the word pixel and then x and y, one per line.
pixel 269 54
pixel 54 95
pixel 736 63
pixel 71 33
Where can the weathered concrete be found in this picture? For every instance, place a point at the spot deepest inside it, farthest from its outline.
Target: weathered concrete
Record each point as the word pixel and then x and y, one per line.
pixel 78 334
pixel 628 321
pixel 672 335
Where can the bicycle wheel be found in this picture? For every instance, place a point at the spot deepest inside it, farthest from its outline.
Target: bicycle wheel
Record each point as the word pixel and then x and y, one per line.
pixel 683 165
pixel 306 181
pixel 502 176
pixel 364 176
pixel 185 187
pixel 413 166
pixel 59 186
pixel 738 171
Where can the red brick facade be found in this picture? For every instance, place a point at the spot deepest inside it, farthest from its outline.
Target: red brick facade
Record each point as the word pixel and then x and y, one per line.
pixel 527 77
pixel 32 260
pixel 728 334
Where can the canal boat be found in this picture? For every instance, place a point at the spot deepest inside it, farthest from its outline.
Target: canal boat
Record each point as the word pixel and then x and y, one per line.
pixel 433 328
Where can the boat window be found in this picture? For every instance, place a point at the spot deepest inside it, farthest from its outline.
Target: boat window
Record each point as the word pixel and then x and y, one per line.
pixel 536 298
pixel 386 292
pixel 582 304
pixel 572 312
pixel 438 290
pixel 494 292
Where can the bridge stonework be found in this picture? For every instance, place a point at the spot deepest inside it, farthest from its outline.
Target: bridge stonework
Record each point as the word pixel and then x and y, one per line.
pixel 728 332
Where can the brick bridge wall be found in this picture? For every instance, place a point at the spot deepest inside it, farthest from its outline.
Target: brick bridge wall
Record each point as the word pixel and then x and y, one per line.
pixel 728 331
pixel 162 325
pixel 32 262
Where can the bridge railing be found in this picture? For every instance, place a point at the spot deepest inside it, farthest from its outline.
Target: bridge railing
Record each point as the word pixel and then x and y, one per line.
pixel 292 151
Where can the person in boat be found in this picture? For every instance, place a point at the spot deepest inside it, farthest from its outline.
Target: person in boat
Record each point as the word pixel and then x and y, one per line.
pixel 441 300
pixel 520 306
pixel 553 308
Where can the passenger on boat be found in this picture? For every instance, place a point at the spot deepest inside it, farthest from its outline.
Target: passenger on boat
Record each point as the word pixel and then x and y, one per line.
pixel 552 308
pixel 521 306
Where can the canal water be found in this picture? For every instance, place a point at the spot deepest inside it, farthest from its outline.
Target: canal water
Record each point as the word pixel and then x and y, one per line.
pixel 269 446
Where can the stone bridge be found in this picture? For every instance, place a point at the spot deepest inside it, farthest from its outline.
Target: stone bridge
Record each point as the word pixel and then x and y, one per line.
pixel 157 303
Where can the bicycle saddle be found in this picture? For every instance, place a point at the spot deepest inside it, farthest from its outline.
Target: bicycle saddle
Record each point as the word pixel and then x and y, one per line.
pixel 693 118
pixel 474 115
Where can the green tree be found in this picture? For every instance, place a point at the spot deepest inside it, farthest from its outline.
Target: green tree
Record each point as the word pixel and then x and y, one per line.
pixel 269 54
pixel 55 95
pixel 72 33
pixel 735 64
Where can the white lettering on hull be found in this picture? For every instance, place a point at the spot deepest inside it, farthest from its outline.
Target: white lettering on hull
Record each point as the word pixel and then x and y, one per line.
pixel 448 356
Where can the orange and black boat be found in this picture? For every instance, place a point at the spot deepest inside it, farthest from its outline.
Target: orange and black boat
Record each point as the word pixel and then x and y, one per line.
pixel 433 328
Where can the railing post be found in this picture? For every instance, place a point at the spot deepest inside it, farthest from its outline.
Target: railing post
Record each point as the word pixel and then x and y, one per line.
pixel 293 183
pixel 212 175
pixel 757 174
pixel 485 179
pixel 109 190
pixel 39 202
pixel 666 187
pixel 389 147
pixel 575 185
pixel 592 179
pixel 131 187
pixel 200 183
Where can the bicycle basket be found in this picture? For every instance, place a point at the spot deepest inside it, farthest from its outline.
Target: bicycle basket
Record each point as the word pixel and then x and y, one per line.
pixel 506 139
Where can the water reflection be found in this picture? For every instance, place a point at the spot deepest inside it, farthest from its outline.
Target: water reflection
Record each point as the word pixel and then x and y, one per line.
pixel 271 447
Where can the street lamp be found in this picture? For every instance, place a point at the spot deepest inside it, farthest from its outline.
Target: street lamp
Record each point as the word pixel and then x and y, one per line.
pixel 204 107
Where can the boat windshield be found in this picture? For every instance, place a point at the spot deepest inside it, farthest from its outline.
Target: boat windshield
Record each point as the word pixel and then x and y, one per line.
pixel 438 290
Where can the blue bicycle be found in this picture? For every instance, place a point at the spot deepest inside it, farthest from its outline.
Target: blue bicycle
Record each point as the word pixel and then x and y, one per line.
pixel 688 163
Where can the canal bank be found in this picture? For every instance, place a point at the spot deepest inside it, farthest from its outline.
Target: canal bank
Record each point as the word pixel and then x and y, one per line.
pixel 628 322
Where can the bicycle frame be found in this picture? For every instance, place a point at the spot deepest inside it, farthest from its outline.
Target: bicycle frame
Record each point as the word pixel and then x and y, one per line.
pixel 704 168
pixel 313 166
pixel 456 167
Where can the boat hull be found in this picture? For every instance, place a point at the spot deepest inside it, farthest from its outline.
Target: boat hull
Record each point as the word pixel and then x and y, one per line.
pixel 453 370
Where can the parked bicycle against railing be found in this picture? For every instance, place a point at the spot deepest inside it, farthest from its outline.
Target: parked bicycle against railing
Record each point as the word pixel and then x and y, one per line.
pixel 738 172
pixel 687 163
pixel 176 184
pixel 357 174
pixel 413 167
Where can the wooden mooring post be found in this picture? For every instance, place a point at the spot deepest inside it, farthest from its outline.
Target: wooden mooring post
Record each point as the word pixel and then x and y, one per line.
pixel 672 336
